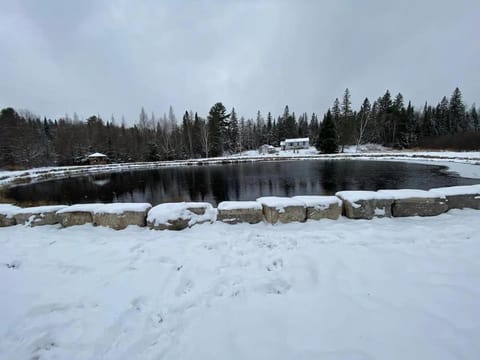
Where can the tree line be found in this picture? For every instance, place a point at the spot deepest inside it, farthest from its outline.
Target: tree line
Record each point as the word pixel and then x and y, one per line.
pixel 27 140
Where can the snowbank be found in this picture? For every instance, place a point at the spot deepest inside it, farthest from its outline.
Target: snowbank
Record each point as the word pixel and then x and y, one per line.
pixel 382 289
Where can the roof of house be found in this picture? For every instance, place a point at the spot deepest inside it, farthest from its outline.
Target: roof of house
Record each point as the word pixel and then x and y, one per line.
pixel 296 140
pixel 97 155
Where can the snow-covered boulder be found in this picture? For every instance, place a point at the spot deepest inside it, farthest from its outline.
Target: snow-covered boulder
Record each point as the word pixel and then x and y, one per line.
pixel 409 202
pixel 321 207
pixel 365 204
pixel 77 214
pixel 120 215
pixel 178 216
pixel 233 212
pixel 282 209
pixel 38 215
pixel 7 212
pixel 460 197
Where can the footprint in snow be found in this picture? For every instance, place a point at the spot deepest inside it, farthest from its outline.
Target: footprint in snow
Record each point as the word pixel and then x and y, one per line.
pixel 185 286
pixel 276 265
pixel 41 346
pixel 275 287
pixel 49 308
pixel 13 264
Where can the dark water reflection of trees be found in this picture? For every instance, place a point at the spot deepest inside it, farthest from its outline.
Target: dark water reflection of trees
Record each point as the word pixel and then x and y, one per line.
pixel 246 181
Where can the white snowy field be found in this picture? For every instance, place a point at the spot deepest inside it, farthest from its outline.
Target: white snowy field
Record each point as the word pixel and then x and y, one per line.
pixel 402 288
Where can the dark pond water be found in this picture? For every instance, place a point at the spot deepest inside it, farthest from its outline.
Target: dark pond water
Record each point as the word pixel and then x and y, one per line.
pixel 245 181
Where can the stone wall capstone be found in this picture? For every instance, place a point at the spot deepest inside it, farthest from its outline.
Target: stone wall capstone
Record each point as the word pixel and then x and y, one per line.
pixel 321 207
pixel 282 209
pixel 37 216
pixel 416 203
pixel 233 212
pixel 365 204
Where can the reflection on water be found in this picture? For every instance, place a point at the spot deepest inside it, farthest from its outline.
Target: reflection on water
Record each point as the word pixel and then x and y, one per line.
pixel 245 181
pixel 100 180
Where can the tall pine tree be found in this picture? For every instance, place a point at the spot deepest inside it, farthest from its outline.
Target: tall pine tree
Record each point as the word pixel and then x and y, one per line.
pixel 217 125
pixel 327 137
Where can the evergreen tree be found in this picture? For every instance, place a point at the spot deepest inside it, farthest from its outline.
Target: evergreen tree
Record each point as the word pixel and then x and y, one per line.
pixel 217 123
pixel 428 124
pixel 269 129
pixel 475 120
pixel 197 136
pixel 456 110
pixel 233 133
pixel 142 120
pixel 344 120
pixel 187 130
pixel 327 137
pixel 313 127
pixel 303 130
pixel 290 126
pixel 442 117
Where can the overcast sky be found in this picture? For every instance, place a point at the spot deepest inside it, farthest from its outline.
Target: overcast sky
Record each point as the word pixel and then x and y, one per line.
pixel 113 57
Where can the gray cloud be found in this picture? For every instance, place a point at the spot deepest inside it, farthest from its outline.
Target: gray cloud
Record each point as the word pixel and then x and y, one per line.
pixel 112 57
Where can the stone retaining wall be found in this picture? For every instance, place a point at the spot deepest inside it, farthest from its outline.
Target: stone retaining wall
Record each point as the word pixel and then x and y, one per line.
pixel 178 216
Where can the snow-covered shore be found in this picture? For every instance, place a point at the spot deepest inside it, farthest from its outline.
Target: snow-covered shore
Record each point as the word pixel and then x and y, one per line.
pixel 466 164
pixel 402 288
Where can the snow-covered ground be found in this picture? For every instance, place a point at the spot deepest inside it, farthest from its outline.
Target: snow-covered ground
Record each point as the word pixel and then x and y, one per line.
pixel 401 288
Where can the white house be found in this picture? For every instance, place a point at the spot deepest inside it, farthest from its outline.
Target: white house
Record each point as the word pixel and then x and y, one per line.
pixel 292 144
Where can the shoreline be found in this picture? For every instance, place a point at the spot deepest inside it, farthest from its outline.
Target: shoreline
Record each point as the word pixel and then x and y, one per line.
pixel 465 164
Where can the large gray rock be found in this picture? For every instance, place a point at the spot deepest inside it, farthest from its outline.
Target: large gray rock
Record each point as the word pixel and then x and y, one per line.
pixel 178 216
pixel 120 215
pixel 7 213
pixel 40 215
pixel 460 197
pixel 321 207
pixel 416 203
pixel 233 212
pixel 77 214
pixel 282 209
pixel 365 204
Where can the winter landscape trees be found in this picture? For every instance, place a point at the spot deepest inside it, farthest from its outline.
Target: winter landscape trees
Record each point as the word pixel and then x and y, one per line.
pixel 26 140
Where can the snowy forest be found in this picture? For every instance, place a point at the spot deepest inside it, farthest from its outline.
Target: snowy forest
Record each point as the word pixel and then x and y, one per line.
pixel 27 140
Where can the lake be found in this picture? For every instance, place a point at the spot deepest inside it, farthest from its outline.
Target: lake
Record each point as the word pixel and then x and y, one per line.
pixel 244 181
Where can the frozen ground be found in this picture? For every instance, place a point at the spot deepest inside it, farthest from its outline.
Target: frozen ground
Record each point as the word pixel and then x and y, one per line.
pixel 403 288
